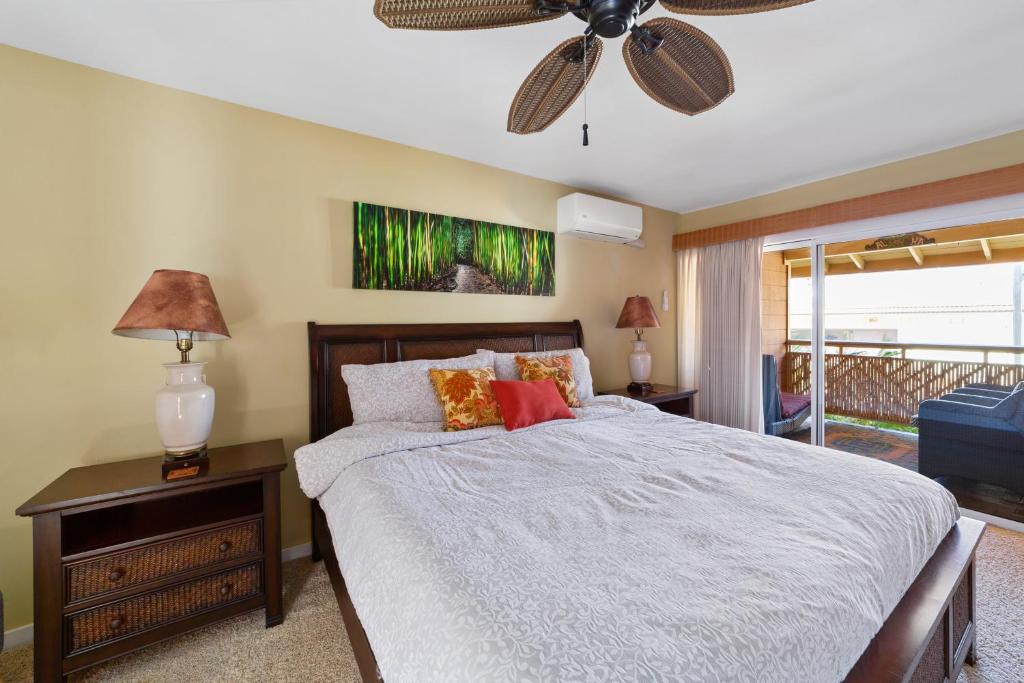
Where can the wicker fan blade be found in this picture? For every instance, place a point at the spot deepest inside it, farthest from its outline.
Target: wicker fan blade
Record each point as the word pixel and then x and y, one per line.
pixel 727 6
pixel 553 86
pixel 457 15
pixel 678 65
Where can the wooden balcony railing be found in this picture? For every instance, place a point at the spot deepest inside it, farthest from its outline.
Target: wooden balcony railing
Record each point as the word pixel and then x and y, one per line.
pixel 890 388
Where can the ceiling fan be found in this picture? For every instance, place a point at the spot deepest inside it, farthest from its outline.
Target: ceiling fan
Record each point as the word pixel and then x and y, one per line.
pixel 676 64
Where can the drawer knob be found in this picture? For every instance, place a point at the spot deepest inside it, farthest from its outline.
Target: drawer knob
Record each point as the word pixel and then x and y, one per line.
pixel 116 575
pixel 116 623
pixel 224 545
pixel 225 589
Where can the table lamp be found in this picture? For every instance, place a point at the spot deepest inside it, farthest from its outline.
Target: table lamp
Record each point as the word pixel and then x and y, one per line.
pixel 179 306
pixel 638 313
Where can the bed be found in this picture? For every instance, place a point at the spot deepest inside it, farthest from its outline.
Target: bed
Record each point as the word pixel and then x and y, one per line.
pixel 626 544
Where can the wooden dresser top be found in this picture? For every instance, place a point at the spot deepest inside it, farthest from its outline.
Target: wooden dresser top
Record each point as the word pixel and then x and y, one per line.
pixel 113 480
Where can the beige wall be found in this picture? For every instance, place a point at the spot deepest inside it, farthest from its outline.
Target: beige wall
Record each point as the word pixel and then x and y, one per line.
pixel 103 179
pixel 1005 150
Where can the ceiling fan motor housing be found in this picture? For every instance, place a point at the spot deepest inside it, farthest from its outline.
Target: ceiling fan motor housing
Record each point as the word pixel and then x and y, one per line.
pixel 612 18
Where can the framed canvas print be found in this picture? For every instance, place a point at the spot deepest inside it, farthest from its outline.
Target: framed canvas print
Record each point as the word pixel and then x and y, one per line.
pixel 418 251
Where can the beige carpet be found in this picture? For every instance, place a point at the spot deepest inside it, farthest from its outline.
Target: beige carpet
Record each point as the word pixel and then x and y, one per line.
pixel 311 643
pixel 1000 609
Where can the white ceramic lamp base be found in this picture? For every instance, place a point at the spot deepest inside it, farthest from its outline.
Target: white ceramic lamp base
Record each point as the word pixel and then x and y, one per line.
pixel 640 367
pixel 184 409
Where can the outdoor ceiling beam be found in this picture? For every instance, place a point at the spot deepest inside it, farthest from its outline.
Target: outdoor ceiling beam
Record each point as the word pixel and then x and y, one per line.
pixel 986 247
pixel 995 231
pixel 858 260
pixel 935 259
pixel 916 253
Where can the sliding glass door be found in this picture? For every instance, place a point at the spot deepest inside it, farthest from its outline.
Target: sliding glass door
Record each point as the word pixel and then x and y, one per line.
pixel 905 348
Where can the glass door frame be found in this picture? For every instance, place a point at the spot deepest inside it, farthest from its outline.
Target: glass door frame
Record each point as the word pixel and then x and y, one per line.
pixel 817 249
pixel 817 239
pixel 818 387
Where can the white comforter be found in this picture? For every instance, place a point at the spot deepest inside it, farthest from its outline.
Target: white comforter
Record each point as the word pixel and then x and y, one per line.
pixel 627 545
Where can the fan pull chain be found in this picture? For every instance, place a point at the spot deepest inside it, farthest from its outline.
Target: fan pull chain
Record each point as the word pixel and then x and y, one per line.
pixel 586 64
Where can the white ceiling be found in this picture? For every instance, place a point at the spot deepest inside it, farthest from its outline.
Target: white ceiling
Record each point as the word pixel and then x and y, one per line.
pixel 821 89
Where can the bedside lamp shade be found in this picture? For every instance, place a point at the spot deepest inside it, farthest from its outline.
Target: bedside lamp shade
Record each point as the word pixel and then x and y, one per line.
pixel 179 306
pixel 174 301
pixel 638 313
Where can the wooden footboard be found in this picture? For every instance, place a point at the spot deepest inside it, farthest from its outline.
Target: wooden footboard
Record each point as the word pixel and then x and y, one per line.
pixel 932 632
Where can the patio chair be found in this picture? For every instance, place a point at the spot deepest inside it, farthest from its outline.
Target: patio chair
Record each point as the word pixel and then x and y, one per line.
pixel 783 412
pixel 996 387
pixel 974 437
pixel 988 390
pixel 962 396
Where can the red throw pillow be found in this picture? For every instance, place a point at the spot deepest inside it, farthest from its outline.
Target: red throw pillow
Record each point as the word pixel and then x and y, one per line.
pixel 529 403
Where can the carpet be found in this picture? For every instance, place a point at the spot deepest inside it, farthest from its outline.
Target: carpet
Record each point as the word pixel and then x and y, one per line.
pixel 311 643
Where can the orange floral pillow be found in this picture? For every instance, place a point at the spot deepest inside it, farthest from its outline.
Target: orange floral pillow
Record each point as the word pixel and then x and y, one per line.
pixel 555 368
pixel 466 398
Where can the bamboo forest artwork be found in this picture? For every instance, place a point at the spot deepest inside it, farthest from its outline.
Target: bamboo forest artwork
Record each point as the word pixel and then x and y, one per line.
pixel 412 250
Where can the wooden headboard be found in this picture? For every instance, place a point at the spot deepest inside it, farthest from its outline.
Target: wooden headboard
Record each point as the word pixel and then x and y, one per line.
pixel 331 346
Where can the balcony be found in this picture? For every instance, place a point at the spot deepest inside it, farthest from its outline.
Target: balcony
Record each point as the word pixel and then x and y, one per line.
pixel 861 383
pixel 963 284
pixel 877 381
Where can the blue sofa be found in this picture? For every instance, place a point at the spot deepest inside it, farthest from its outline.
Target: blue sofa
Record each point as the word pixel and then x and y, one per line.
pixel 976 433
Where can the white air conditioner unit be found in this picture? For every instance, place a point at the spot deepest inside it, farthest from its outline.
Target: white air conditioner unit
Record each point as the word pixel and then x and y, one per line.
pixel 593 218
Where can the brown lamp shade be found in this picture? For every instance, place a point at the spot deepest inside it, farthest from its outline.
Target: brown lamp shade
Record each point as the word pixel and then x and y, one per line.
pixel 174 300
pixel 638 313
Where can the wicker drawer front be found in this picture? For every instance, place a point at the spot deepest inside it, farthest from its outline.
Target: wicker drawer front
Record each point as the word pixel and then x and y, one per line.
pixel 932 667
pixel 130 568
pixel 125 617
pixel 961 612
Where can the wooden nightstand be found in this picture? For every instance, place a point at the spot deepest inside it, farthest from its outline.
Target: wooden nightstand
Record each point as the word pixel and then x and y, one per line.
pixel 124 559
pixel 674 400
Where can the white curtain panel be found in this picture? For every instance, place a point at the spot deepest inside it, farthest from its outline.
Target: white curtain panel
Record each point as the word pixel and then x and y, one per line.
pixel 719 314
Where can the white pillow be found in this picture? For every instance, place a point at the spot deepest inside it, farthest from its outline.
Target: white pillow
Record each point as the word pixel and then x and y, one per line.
pixel 402 392
pixel 505 367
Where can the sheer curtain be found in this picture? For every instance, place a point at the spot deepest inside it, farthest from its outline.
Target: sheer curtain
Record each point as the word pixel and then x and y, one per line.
pixel 720 331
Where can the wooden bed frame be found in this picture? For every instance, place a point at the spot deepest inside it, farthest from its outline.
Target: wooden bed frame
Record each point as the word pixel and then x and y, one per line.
pixel 927 639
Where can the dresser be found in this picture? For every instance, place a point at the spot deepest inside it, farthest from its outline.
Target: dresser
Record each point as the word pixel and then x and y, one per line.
pixel 124 559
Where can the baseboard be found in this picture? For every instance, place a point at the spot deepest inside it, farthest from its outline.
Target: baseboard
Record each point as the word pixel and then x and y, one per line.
pixel 1001 522
pixel 17 637
pixel 22 635
pixel 296 551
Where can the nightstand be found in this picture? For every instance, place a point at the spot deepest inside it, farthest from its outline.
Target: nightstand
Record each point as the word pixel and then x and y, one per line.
pixel 668 399
pixel 124 559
